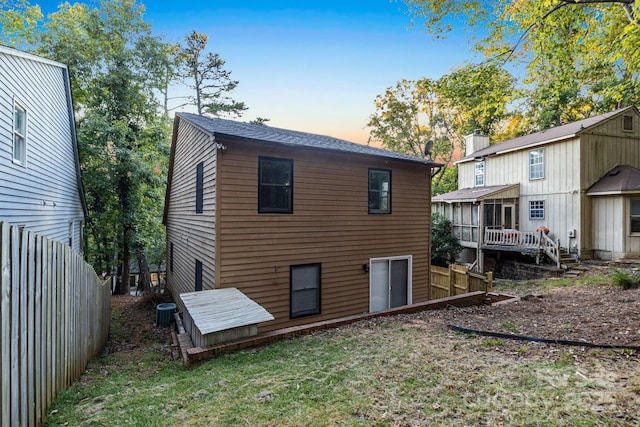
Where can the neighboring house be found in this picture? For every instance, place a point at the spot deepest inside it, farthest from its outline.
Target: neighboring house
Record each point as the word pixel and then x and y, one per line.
pixel 578 181
pixel 310 227
pixel 40 185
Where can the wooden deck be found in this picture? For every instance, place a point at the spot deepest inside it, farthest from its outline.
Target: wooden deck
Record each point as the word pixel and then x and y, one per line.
pixel 220 315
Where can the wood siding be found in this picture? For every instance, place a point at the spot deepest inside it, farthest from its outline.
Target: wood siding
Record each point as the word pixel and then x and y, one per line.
pixel 193 235
pixel 604 148
pixel 559 189
pixel 44 195
pixel 330 225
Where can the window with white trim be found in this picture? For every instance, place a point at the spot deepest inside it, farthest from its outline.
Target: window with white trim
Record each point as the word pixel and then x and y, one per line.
pixel 536 209
pixel 635 215
pixel 19 134
pixel 479 174
pixel 536 164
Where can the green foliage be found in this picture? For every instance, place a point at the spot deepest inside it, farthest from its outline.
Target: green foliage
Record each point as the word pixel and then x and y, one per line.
pixel 625 279
pixel 411 113
pixel 116 67
pixel 582 56
pixel 446 180
pixel 18 22
pixel 445 247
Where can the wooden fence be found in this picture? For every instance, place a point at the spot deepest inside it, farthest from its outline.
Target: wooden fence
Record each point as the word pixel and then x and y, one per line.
pixel 456 280
pixel 54 313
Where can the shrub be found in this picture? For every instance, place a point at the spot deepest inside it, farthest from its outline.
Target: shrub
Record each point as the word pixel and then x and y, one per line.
pixel 445 247
pixel 625 279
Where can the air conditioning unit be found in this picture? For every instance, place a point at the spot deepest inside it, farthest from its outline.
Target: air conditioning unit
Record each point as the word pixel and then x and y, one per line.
pixel 571 233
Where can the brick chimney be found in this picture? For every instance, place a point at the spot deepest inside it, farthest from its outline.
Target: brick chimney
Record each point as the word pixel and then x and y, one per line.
pixel 475 142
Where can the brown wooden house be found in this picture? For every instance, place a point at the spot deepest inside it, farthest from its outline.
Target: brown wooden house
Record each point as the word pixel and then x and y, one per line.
pixel 310 227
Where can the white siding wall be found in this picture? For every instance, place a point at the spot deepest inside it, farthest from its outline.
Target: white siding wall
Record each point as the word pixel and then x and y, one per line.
pixel 193 235
pixel 608 226
pixel 560 188
pixel 44 195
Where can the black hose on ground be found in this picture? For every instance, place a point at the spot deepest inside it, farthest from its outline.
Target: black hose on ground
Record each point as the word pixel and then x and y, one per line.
pixel 542 340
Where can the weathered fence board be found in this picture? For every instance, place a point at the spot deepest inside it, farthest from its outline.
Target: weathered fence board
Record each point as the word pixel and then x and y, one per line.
pixel 54 312
pixel 457 280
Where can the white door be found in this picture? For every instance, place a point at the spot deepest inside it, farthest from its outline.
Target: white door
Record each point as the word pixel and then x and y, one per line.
pixel 389 282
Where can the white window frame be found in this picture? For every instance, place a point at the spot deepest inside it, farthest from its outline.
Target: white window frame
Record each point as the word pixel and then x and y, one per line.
pixel 536 206
pixel 536 164
pixel 19 153
pixel 479 174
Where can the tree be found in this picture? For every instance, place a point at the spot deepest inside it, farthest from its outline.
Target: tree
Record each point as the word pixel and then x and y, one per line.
pixel 116 66
pixel 582 56
pixel 445 247
pixel 18 22
pixel 211 82
pixel 412 113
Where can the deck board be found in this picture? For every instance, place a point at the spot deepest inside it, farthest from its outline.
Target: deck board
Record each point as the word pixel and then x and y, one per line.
pixel 222 309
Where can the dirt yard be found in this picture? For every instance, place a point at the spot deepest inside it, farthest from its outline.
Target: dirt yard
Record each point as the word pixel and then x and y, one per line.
pixel 595 313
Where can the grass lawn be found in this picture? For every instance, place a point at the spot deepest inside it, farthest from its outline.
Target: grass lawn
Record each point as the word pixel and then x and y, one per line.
pixel 407 370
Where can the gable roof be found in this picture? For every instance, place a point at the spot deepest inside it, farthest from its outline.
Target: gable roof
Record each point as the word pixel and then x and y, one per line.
pixel 622 179
pixel 263 133
pixel 546 136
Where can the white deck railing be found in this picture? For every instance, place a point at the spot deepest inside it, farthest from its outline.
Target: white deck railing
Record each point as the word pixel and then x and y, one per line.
pixel 524 239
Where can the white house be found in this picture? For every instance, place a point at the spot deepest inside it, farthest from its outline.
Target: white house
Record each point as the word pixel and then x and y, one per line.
pixel 579 181
pixel 40 186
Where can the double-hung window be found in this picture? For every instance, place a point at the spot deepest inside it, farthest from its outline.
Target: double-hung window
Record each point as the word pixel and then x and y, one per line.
pixel 275 185
pixel 536 164
pixel 379 191
pixel 19 134
pixel 635 215
pixel 536 209
pixel 479 174
pixel 305 290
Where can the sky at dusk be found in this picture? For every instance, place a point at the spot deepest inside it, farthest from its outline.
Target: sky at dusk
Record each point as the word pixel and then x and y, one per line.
pixel 313 66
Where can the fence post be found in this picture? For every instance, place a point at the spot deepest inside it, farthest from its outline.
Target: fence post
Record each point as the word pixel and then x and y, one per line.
pixel 489 281
pixel 5 330
pixel 452 281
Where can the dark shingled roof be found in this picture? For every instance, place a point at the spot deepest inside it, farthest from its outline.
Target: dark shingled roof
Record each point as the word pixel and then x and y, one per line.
pixel 545 136
pixel 231 128
pixel 619 180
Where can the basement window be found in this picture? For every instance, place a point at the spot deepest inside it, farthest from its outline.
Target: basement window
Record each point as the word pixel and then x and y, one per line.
pixel 305 290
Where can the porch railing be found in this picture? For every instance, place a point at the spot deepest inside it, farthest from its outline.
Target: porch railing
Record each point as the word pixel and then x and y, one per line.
pixel 509 237
pixel 524 239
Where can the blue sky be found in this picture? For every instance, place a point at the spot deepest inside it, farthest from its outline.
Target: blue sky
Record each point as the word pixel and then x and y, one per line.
pixel 313 66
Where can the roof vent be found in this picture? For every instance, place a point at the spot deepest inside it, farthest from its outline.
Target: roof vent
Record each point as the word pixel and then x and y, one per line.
pixel 614 173
pixel 477 132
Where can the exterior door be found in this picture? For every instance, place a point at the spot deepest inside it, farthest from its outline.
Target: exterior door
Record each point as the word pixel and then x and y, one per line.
pixel 389 283
pixel 508 215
